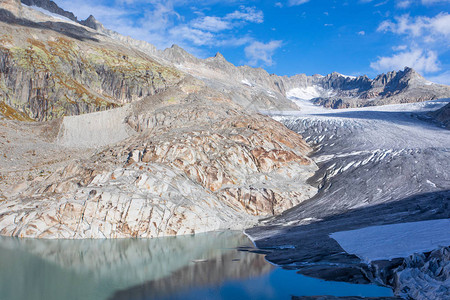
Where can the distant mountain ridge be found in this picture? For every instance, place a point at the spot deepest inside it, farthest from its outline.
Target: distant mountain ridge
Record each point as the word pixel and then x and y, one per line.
pixel 256 89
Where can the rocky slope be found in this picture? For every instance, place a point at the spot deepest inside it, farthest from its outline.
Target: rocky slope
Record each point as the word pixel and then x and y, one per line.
pixel 48 73
pixel 196 162
pixel 176 158
pixel 256 89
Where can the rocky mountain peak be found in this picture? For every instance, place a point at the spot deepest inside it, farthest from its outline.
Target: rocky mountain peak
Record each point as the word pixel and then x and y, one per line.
pixel 219 56
pixel 398 79
pixel 176 54
pixel 91 22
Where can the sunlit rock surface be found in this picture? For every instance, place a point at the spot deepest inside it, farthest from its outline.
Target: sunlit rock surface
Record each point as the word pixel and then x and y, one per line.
pixel 47 75
pixel 170 156
pixel 194 162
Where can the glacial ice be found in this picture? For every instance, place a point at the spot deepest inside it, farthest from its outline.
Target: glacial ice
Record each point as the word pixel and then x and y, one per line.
pixel 386 242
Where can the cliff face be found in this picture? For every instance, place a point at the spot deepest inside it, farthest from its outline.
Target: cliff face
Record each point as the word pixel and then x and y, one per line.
pixel 407 86
pixel 48 76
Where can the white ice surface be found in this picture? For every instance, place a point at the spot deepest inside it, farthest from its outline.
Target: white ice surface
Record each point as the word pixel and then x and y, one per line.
pixel 396 240
pixel 50 14
pixel 308 108
pixel 246 82
pixel 347 76
pixel 306 93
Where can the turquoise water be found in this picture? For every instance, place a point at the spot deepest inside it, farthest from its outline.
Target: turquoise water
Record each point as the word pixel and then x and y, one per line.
pixel 204 266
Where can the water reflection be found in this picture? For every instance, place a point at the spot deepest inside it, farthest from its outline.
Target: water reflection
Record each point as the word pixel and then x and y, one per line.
pixel 189 267
pixel 95 269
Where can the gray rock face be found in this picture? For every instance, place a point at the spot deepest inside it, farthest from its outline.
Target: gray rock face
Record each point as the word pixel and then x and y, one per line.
pixel 252 88
pixel 91 22
pixel 52 75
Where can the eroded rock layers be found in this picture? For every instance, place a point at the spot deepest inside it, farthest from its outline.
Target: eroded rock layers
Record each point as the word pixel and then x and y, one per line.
pixel 196 163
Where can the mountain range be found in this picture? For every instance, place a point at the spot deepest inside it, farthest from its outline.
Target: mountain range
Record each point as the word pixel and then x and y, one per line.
pixel 97 86
pixel 105 136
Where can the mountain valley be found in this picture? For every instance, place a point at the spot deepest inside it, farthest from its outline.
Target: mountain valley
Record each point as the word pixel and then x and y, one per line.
pixel 103 137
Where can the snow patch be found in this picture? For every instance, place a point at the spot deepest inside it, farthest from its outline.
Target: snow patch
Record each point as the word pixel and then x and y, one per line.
pixel 50 14
pixel 347 76
pixel 431 183
pixel 246 82
pixel 395 240
pixel 306 93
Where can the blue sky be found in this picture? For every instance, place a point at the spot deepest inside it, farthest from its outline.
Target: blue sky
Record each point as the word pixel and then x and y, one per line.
pixel 353 37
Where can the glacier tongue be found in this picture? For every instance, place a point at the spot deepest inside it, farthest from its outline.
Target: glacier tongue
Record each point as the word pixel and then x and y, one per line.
pixel 394 240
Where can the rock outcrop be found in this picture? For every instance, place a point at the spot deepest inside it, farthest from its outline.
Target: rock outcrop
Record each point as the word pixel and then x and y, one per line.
pixel 47 76
pixel 195 163
pixel 442 115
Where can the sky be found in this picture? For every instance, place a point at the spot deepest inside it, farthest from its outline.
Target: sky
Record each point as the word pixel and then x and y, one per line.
pixel 352 37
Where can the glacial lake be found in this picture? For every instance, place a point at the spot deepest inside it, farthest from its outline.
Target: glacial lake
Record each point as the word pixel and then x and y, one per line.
pixel 203 266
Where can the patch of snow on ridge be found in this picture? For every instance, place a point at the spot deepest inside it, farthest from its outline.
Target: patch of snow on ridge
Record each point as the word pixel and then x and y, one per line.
pixel 347 76
pixel 246 82
pixel 306 93
pixel 50 14
pixel 394 240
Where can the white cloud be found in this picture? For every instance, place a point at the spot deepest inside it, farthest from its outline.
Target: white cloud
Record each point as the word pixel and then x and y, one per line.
pixel 297 2
pixel 431 2
pixel 404 3
pixel 213 24
pixel 443 78
pixel 196 36
pixel 261 52
pixel 362 32
pixel 417 33
pixel 216 24
pixel 438 26
pixel 158 22
pixel 249 14
pixel 417 59
pixel 234 42
pixel 399 48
